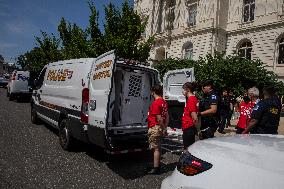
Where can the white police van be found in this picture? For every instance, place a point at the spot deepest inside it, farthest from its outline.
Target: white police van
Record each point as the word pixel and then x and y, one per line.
pixel 18 85
pixel 102 101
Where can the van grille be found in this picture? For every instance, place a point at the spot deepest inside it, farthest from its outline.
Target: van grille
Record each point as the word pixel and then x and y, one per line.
pixel 135 83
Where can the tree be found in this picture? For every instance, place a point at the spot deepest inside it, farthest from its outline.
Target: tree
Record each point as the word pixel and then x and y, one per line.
pixel 123 32
pixel 22 61
pixel 96 44
pixel 74 40
pixel 1 58
pixel 231 72
pixel 46 51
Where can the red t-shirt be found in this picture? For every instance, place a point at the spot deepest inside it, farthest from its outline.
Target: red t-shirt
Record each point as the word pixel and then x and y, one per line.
pixel 190 106
pixel 158 107
pixel 245 114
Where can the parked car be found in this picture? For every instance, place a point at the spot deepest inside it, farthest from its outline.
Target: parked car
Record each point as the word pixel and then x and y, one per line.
pixel 102 101
pixel 18 86
pixel 241 161
pixel 4 81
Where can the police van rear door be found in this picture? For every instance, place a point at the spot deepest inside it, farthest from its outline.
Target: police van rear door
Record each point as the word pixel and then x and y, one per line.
pixel 173 82
pixel 99 87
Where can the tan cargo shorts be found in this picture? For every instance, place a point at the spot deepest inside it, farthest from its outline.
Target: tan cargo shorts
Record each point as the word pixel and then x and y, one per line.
pixel 155 136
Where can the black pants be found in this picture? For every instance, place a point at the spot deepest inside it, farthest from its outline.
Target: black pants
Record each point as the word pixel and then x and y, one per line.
pixel 223 120
pixel 229 118
pixel 188 136
pixel 208 127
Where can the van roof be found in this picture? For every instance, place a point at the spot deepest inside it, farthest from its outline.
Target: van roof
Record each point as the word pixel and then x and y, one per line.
pixel 80 60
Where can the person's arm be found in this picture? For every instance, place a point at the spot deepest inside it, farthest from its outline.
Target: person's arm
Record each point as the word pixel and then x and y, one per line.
pixel 194 117
pixel 231 106
pixel 167 120
pixel 212 110
pixel 160 120
pixel 252 123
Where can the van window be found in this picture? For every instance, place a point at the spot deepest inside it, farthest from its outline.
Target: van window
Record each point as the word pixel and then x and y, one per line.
pixel 41 79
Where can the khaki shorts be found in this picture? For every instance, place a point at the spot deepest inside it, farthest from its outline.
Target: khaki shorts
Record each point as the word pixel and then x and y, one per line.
pixel 155 136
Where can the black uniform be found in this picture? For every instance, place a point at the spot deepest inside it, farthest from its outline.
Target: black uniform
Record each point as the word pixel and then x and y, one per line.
pixel 209 124
pixel 233 101
pixel 267 112
pixel 224 112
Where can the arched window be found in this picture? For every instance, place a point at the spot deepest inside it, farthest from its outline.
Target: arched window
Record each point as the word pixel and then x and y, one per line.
pixel 281 51
pixel 245 49
pixel 188 51
pixel 160 54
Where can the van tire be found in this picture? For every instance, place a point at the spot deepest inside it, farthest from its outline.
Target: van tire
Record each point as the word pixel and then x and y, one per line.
pixel 34 117
pixel 11 97
pixel 66 141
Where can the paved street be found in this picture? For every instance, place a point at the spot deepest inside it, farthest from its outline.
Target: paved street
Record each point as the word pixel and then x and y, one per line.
pixel 31 157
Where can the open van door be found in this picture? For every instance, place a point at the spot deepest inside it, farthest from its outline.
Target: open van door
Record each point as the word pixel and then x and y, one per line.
pixel 172 87
pixel 173 82
pixel 99 90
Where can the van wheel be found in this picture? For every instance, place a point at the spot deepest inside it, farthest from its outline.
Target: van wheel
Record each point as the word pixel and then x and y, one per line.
pixel 11 97
pixel 34 117
pixel 66 141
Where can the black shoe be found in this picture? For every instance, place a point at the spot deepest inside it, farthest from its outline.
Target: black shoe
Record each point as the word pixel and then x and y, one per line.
pixel 221 132
pixel 154 171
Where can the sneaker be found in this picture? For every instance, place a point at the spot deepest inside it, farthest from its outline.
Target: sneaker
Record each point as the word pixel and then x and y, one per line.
pixel 154 171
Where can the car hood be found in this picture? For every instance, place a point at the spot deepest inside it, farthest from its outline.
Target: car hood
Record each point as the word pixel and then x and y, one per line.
pixel 259 151
pixel 241 161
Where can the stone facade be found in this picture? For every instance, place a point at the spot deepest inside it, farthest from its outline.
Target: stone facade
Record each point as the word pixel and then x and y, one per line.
pixel 192 28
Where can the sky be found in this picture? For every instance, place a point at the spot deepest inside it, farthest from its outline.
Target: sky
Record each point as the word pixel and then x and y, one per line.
pixel 22 20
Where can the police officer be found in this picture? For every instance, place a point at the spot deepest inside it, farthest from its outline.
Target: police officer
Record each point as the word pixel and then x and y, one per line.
pixel 224 110
pixel 266 114
pixel 233 103
pixel 208 110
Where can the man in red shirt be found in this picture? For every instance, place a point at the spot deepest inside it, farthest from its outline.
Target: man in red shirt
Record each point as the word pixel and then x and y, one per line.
pixel 158 120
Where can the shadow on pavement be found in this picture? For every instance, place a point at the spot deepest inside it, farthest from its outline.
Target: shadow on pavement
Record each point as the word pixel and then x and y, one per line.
pixel 129 166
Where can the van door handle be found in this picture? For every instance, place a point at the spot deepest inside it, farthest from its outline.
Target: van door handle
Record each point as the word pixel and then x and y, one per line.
pixel 40 91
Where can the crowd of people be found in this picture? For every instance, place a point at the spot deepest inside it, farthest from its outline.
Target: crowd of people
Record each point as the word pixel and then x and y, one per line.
pixel 259 114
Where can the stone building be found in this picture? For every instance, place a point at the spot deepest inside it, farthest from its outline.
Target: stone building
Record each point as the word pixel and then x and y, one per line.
pixel 254 29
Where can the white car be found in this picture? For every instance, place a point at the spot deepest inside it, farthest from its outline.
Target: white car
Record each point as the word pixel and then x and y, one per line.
pixel 236 162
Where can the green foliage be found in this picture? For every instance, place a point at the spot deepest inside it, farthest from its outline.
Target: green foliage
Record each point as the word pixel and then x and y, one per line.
pixel 1 58
pixel 95 42
pixel 46 50
pixel 123 30
pixel 74 40
pixel 230 72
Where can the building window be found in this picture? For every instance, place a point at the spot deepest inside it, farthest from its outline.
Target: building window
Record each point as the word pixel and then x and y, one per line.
pixel 160 54
pixel 171 14
pixel 245 50
pixel 192 12
pixel 188 51
pixel 281 51
pixel 249 8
